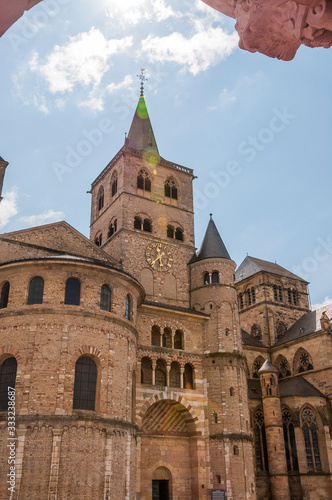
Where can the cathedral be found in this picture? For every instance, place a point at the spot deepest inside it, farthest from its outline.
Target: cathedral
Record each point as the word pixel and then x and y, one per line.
pixel 134 367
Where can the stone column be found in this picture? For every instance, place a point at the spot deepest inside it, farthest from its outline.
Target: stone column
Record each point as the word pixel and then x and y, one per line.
pixel 154 364
pixel 55 464
pixel 274 432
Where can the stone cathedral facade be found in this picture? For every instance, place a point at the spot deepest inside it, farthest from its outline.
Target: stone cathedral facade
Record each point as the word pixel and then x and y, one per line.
pixel 141 369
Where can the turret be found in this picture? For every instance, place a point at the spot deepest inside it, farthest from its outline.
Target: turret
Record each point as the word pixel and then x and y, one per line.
pixel 213 292
pixel 274 432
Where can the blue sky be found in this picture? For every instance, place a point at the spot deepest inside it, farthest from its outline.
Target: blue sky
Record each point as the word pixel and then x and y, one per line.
pixel 256 131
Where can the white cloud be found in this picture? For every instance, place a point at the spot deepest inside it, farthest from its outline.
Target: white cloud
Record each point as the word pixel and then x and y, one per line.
pixel 204 49
pixel 44 218
pixel 162 11
pixel 83 61
pixel 225 99
pixel 326 302
pixel 8 207
pixel 125 83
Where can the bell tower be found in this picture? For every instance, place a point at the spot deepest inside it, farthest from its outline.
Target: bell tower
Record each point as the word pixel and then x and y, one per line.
pixel 142 213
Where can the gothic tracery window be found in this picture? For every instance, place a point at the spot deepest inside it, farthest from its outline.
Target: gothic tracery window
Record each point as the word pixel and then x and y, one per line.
pixel 290 443
pixel 258 363
pixel 283 367
pixel 280 329
pixel 143 180
pixel 309 428
pixel 262 463
pixel 170 189
pixel 302 361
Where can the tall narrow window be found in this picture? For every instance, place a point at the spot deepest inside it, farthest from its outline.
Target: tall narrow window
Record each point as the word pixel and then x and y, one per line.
pixel 167 338
pixel 188 377
pixel 146 371
pixel 100 198
pixel 206 279
pixel 260 442
pixel 277 293
pixel 309 428
pixel 112 228
pixel 4 296
pixel 99 240
pixel 170 231
pixel 114 183
pixel 171 190
pixel 249 296
pixel 241 301
pixel 36 291
pixel 290 443
pixel 147 226
pixel 128 307
pixel 85 384
pixel 175 375
pixel 215 277
pixel 105 298
pixel 161 372
pixel 7 380
pixel 178 340
pixel 143 180
pixel 179 234
pixel 137 223
pixel 155 336
pixel 73 292
pixel 253 295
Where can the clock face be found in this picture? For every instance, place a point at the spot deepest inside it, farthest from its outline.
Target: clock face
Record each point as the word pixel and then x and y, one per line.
pixel 159 257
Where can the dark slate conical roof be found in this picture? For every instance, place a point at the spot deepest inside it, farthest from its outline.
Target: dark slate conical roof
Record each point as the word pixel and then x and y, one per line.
pixel 267 367
pixel 212 247
pixel 141 136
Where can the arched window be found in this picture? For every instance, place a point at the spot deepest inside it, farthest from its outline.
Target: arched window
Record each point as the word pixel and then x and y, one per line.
pixel 256 331
pixel 258 363
pixel 262 463
pixel 236 450
pixel 143 180
pixel 206 279
pixel 188 377
pixel 215 417
pixel 147 226
pixel 280 329
pixel 175 375
pixel 137 223
pixel 215 277
pixel 241 302
pixel 114 183
pixel 218 477
pixel 112 228
pixel 99 240
pixel 155 335
pixel 85 384
pixel 105 298
pixel 179 234
pixel 178 340
pixel 171 190
pixel 8 371
pixel 161 372
pixel 283 367
pixel 170 231
pixel 73 292
pixel 128 307
pixel 4 296
pixel 302 361
pixel 309 428
pixel 251 296
pixel 290 443
pixel 231 391
pixel 292 296
pixel 100 198
pixel 146 371
pixel 36 291
pixel 167 337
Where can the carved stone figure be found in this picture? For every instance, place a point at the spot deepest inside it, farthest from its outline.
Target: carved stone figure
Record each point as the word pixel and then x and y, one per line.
pixel 277 28
pixel 325 322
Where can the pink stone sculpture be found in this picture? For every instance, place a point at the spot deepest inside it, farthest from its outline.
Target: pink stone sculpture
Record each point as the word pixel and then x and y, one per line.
pixel 277 28
pixel 11 10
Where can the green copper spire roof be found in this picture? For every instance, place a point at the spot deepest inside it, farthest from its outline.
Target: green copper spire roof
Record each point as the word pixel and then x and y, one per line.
pixel 141 136
pixel 213 246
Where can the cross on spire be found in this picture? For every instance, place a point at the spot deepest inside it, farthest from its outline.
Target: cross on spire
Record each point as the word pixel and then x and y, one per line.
pixel 143 79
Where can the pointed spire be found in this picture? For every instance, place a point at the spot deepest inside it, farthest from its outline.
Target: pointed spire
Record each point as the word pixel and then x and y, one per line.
pixel 141 136
pixel 267 367
pixel 213 246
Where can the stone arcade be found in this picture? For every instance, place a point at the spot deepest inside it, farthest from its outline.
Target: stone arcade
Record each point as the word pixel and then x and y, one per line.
pixel 144 370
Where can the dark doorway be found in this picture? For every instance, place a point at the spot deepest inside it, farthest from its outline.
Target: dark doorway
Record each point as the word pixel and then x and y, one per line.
pixel 160 489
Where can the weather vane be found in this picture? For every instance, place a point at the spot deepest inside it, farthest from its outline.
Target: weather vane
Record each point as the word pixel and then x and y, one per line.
pixel 143 79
